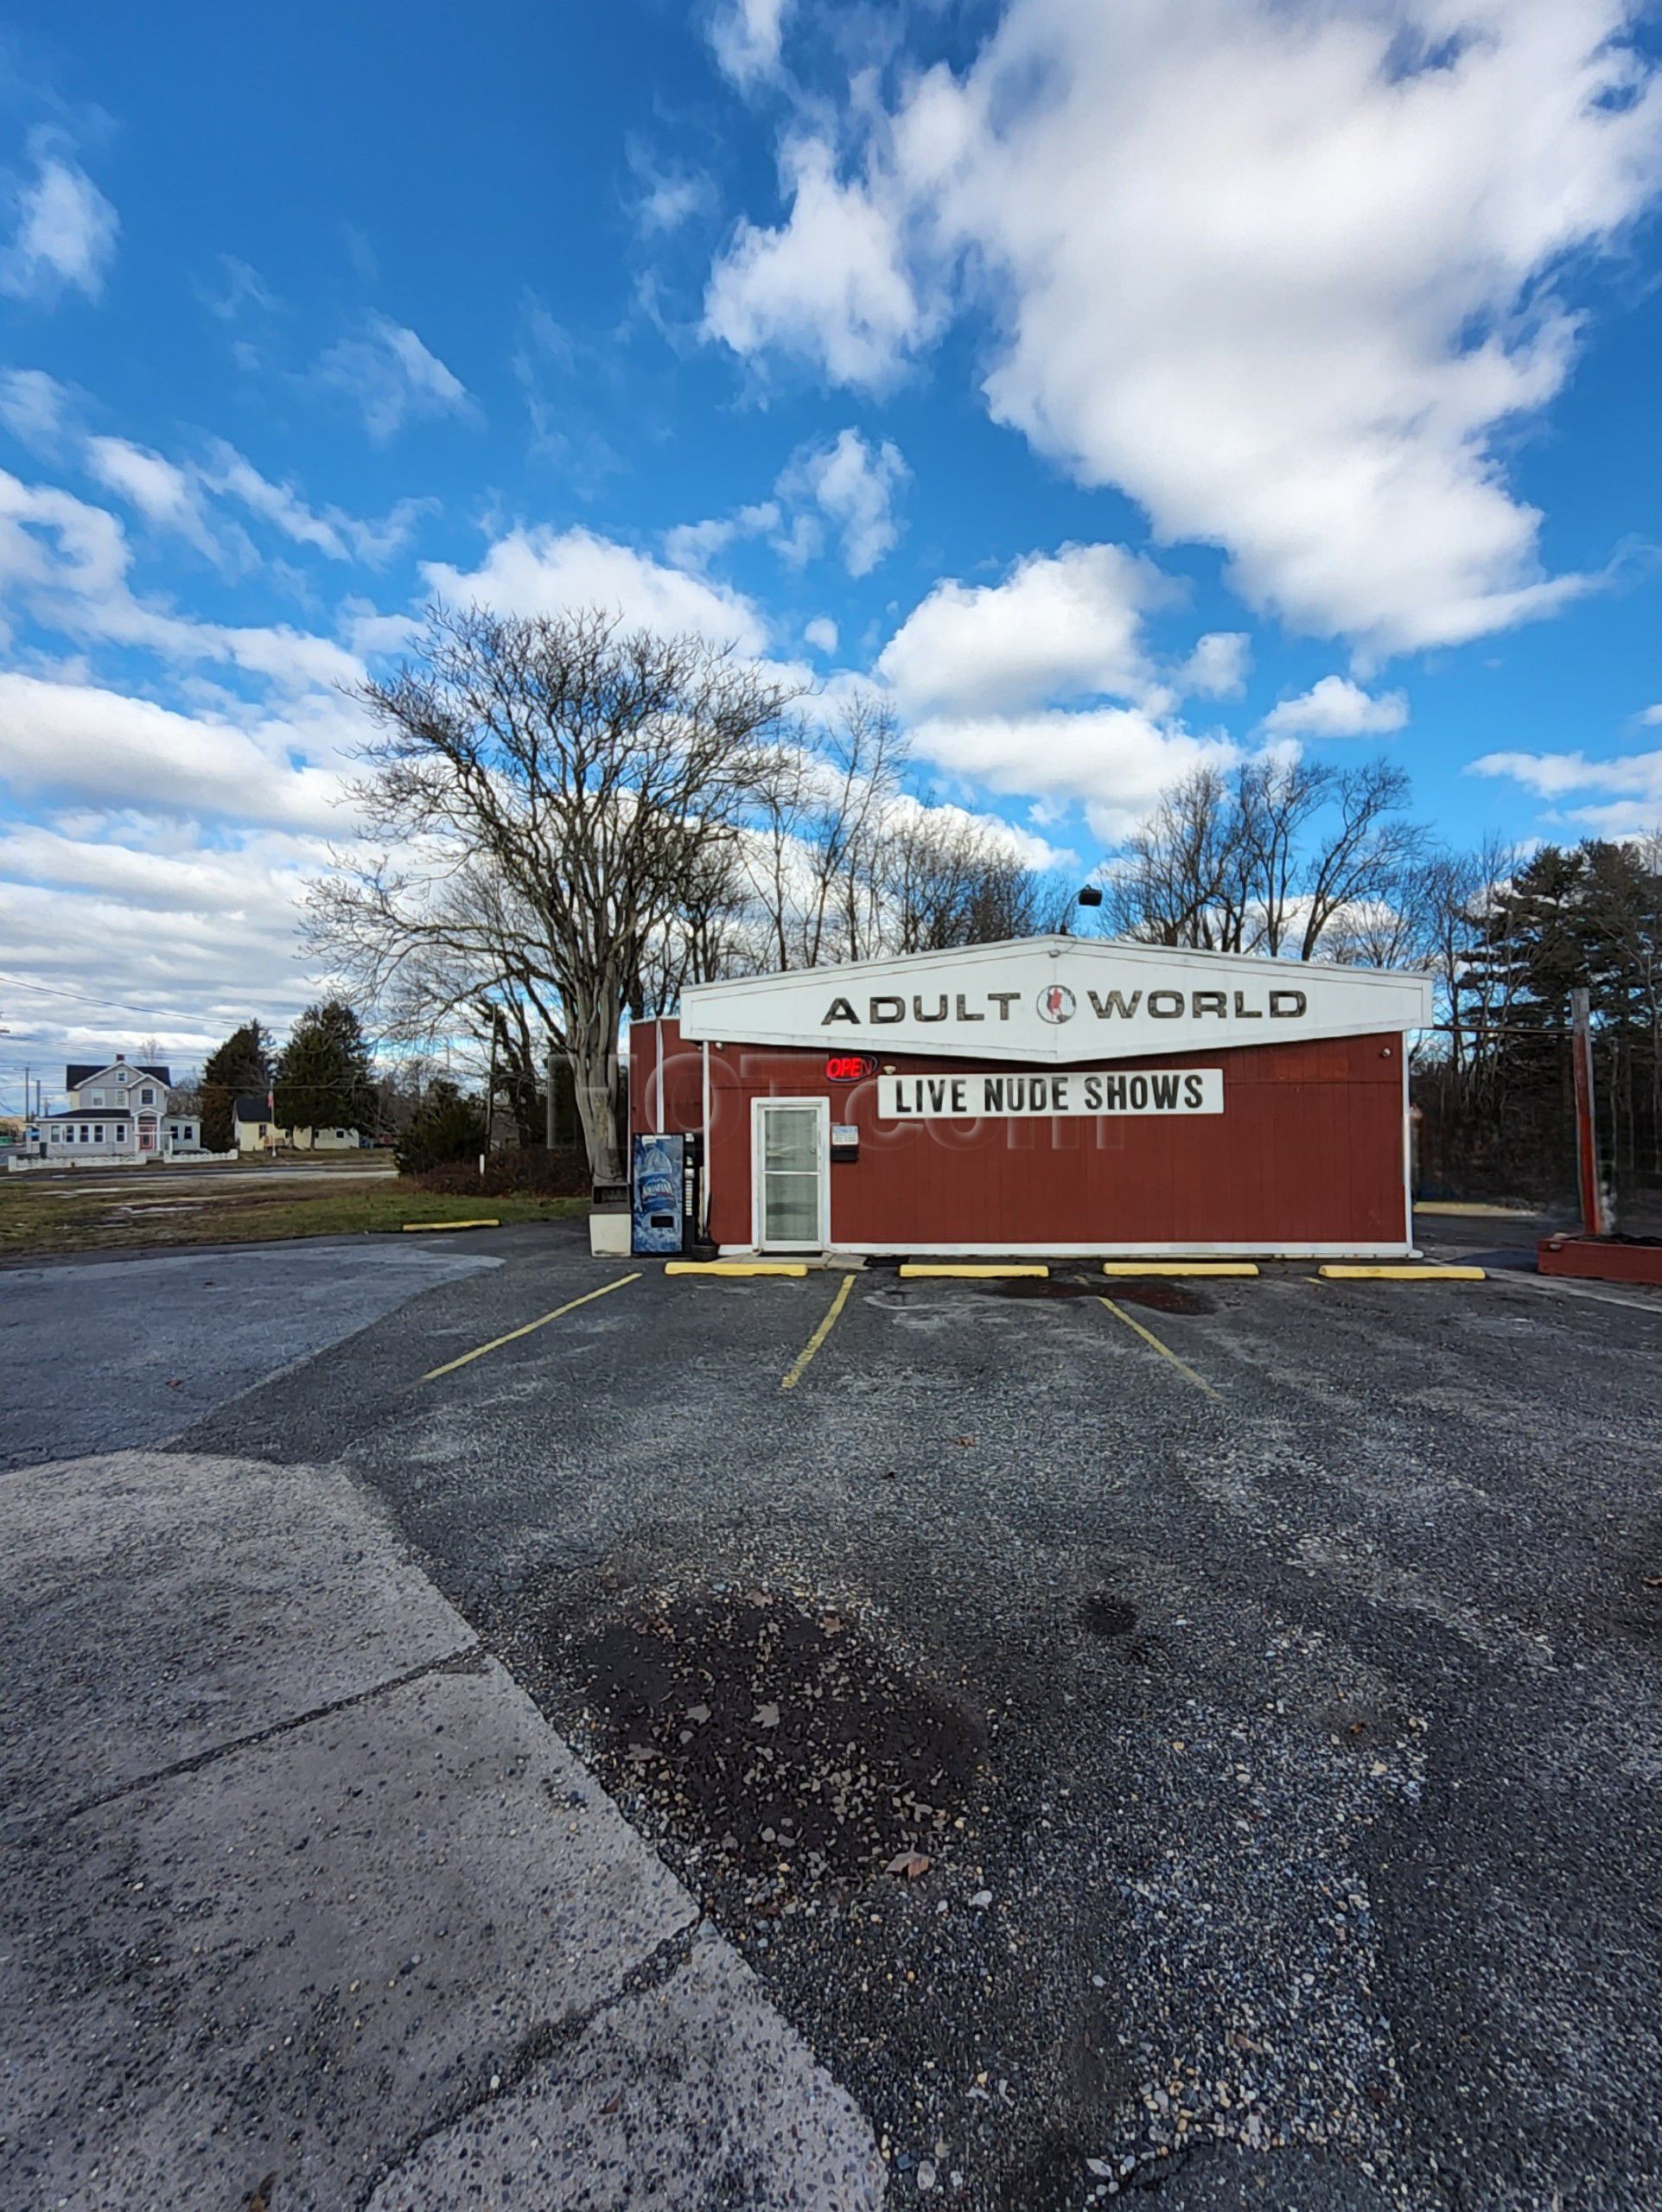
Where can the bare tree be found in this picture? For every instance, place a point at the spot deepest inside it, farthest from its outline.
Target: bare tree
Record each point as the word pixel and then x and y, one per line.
pixel 1269 859
pixel 543 794
pixel 1182 877
pixel 951 879
pixel 813 858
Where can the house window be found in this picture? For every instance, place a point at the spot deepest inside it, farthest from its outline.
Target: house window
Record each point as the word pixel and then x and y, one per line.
pixel 86 1134
pixel 97 1133
pixel 96 1098
pixel 121 1133
pixel 147 1097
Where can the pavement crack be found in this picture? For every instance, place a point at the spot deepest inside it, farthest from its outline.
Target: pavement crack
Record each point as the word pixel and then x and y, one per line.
pixel 470 1659
pixel 537 2046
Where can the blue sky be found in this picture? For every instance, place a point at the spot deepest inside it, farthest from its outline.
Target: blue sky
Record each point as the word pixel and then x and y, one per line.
pixel 1115 388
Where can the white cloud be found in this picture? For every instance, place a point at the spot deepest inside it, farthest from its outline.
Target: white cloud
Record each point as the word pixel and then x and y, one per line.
pixel 66 562
pixel 853 483
pixel 1061 626
pixel 240 289
pixel 541 571
pixel 1553 775
pixel 1624 795
pixel 746 34
pixel 370 632
pixel 1113 761
pixel 668 197
pixel 155 874
pixel 34 408
pixel 392 377
pixel 1218 667
pixel 1024 846
pixel 831 284
pixel 821 633
pixel 163 493
pixel 80 741
pixel 1283 272
pixel 340 536
pixel 66 231
pixel 1651 717
pixel 694 544
pixel 179 932
pixel 1335 706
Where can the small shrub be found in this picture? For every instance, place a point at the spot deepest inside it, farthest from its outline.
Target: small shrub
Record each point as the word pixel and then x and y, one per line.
pixel 528 1171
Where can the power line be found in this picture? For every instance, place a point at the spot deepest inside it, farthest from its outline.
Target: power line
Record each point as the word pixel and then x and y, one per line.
pixel 117 1006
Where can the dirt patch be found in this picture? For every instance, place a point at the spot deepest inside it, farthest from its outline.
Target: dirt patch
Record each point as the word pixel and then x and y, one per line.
pixel 776 1738
pixel 1164 1297
pixel 1105 1615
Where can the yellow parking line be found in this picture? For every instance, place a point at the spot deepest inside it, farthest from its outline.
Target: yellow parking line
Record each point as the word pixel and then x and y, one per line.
pixel 923 1267
pixel 736 1267
pixel 492 1222
pixel 479 1351
pixel 1165 1351
pixel 799 1365
pixel 1179 1267
pixel 1402 1275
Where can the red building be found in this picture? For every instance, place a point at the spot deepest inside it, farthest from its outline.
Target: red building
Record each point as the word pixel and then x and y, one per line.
pixel 1051 1096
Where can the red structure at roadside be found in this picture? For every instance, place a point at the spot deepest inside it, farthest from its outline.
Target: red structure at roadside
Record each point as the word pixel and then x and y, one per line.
pixel 1602 1259
pixel 1050 1096
pixel 1596 1255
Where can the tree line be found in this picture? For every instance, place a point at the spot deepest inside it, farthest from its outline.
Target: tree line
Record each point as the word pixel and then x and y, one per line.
pixel 567 821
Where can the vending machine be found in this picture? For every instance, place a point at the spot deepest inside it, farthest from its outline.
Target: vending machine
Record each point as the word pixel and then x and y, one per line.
pixel 661 1172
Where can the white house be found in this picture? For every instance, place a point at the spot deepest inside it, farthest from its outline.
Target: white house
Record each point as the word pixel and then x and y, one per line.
pixel 121 1111
pixel 257 1130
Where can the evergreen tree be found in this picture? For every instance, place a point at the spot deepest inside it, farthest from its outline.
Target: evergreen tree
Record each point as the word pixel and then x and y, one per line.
pixel 447 1125
pixel 242 1064
pixel 324 1079
pixel 1586 917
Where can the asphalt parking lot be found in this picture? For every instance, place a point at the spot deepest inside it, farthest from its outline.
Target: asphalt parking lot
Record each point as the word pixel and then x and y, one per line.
pixel 1266 1671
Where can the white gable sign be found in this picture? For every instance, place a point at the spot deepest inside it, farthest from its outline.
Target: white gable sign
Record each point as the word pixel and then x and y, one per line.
pixel 1049 1001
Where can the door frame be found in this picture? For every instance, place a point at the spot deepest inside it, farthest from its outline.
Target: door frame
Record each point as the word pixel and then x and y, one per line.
pixel 821 1110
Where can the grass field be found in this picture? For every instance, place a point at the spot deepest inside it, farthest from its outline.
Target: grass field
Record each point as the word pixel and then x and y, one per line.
pixel 39 1215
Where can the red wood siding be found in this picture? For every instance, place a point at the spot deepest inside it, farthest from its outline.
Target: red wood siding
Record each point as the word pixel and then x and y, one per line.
pixel 1308 1150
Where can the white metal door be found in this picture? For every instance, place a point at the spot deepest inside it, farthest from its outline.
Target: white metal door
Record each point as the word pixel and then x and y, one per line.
pixel 790 1146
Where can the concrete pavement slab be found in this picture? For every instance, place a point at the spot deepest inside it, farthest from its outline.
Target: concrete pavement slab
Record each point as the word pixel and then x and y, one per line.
pixel 300 1957
pixel 154 1608
pixel 691 2096
pixel 257 1951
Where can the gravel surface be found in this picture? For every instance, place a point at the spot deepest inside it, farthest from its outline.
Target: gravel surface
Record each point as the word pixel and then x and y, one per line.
pixel 1287 1763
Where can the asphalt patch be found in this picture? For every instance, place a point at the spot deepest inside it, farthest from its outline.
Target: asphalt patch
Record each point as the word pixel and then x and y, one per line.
pixel 1104 1615
pixel 775 1740
pixel 1041 1287
pixel 1164 1297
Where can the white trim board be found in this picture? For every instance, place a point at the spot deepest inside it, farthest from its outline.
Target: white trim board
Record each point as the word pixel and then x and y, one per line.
pixel 999 1251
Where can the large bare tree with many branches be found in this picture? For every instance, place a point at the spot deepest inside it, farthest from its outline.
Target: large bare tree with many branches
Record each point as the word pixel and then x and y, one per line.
pixel 546 799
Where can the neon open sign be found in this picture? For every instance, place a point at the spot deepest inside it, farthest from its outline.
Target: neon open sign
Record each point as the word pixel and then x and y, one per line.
pixel 849 1067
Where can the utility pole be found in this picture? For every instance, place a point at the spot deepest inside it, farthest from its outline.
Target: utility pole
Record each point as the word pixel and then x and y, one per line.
pixel 1594 1213
pixel 490 1091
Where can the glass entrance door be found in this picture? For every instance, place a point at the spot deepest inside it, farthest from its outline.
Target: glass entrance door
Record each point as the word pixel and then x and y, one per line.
pixel 791 1153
